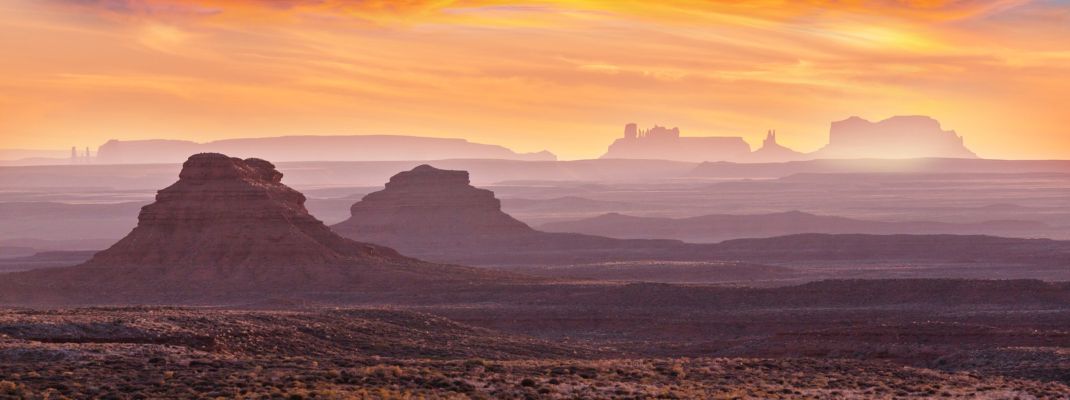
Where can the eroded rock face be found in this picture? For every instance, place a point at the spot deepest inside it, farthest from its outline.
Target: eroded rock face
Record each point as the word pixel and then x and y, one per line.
pixel 430 204
pixel 231 212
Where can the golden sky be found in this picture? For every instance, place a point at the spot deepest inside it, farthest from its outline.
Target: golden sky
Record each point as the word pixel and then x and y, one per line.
pixel 559 75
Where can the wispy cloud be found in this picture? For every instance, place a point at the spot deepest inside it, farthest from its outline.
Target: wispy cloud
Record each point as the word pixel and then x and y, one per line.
pixel 531 73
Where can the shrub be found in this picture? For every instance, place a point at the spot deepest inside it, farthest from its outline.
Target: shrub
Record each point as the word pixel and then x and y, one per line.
pixel 8 387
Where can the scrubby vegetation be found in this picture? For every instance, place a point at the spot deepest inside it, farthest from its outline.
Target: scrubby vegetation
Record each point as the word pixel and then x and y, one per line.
pixel 149 353
pixel 118 375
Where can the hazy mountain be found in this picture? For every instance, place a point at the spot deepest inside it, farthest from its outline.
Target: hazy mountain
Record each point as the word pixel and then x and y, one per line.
pixel 661 143
pixel 895 137
pixel 719 227
pixel 566 204
pixel 312 148
pixel 18 157
pixel 347 173
pixel 899 137
pixel 878 166
pixel 65 221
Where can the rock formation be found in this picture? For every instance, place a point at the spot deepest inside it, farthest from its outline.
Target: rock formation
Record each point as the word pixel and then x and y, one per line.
pixel 230 212
pixel 772 152
pixel 438 215
pixel 313 148
pixel 430 205
pixel 666 144
pixel 899 137
pixel 896 137
pixel 228 230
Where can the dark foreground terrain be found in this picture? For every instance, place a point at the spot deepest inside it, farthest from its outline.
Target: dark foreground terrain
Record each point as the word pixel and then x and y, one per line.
pixel 378 353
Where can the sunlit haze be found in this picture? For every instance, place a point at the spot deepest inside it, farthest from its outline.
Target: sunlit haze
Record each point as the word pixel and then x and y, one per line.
pixel 563 76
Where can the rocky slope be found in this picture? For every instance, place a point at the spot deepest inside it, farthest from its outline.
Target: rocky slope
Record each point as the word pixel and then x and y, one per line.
pixel 228 230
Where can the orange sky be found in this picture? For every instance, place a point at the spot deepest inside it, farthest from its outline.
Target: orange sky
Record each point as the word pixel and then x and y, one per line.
pixel 531 75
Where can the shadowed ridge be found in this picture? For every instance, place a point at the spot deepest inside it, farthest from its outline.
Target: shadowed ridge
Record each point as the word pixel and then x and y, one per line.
pixel 230 232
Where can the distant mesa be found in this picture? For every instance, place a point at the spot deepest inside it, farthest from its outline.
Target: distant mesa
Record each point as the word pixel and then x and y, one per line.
pixel 227 211
pixel 430 206
pixel 228 230
pixel 896 137
pixel 438 215
pixel 312 148
pixel 662 143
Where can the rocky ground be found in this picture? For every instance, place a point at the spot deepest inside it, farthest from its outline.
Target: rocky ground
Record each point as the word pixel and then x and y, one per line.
pixel 376 353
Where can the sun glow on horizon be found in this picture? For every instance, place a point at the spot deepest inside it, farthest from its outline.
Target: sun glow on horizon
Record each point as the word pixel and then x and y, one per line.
pixel 564 76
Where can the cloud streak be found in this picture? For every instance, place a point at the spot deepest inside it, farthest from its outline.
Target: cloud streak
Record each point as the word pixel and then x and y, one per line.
pixel 534 74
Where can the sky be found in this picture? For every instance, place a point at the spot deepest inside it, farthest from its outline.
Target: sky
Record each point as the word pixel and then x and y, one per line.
pixel 564 75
